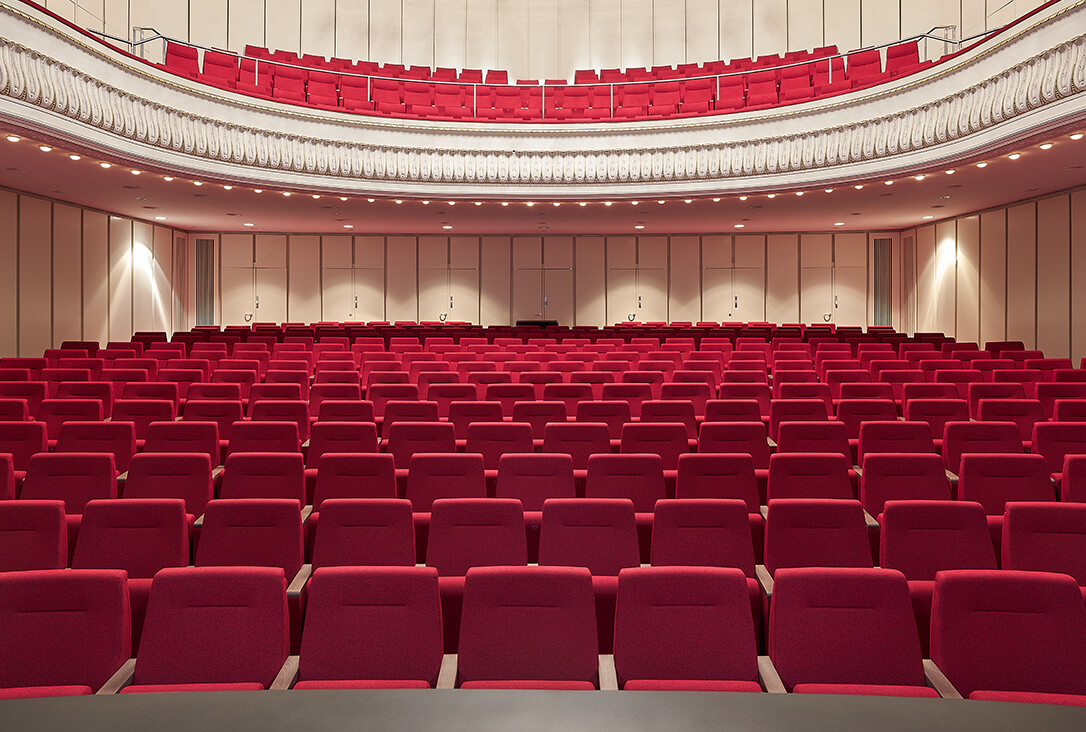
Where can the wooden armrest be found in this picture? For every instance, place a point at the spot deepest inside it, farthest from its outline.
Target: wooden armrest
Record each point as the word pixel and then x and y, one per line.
pixel 765 579
pixel 121 678
pixel 199 522
pixel 872 522
pixel 122 479
pixel 306 512
pixel 305 445
pixel 217 472
pixel 446 677
pixel 287 676
pixel 772 443
pixel 952 477
pixel 298 583
pixel 768 676
pixel 937 680
pixel 608 675
pixel 858 470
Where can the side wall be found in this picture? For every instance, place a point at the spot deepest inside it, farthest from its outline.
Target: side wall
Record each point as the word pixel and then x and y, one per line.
pixel 541 39
pixel 74 273
pixel 1016 272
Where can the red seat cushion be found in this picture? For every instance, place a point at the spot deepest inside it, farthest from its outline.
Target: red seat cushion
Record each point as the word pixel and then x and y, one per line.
pixel 865 690
pixel 690 685
pixel 34 692
pixel 363 684
pixel 157 688
pixel 530 684
pixel 1030 697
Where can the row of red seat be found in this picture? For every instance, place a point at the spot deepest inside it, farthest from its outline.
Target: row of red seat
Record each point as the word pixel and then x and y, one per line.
pixel 1011 636
pixel 392 92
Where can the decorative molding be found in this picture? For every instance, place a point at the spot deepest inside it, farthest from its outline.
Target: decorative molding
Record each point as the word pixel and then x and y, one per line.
pixel 273 138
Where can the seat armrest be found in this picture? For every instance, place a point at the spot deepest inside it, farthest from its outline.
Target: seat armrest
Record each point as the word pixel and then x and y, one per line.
pixel 305 445
pixel 764 511
pixel 858 470
pixel 122 479
pixel 872 522
pixel 121 678
pixel 199 522
pixel 306 512
pixel 768 676
pixel 772 444
pixel 446 677
pixel 297 585
pixel 765 579
pixel 216 472
pixel 936 679
pixel 608 675
pixel 952 477
pixel 287 676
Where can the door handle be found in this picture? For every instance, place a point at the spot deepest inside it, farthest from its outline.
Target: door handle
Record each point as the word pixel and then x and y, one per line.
pixel 356 302
pixel 736 301
pixel 835 301
pixel 638 301
pixel 450 302
pixel 258 302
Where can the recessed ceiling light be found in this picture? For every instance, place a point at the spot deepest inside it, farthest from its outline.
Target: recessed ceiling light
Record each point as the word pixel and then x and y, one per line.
pixel 838 223
pixel 371 200
pixel 772 195
pixel 582 203
pixel 446 227
pixel 45 148
pixel 248 224
pixel 608 203
pixel 828 190
pixel 75 157
pixel 661 202
pixel 951 171
pixel 556 204
pixel 639 226
pixel 928 217
pixel 398 200
pixel 505 203
pixel 286 194
pixel 425 203
pixel 716 200
pixel 738 226
pixel 859 186
pixel 743 198
pixel 197 183
pixel 529 204
pixel 343 198
pixel 1014 156
pixel 107 166
pixel 799 193
pixel 136 172
pixel 1076 136
pixel 1045 146
pixel 478 203
pixel 160 218
pixel 348 226
pixel 982 165
pixel 452 203
pixel 167 178
pixel 13 138
pixel 316 196
pixel 688 200
pixel 228 188
pixel 919 177
pixel 888 183
pixel 258 190
pixel 633 203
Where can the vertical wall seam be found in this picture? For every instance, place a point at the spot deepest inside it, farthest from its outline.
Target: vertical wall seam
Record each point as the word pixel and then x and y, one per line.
pixel 52 273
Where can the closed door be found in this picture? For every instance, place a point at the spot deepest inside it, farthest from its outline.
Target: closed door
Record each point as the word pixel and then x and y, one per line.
pixel 558 295
pixel 271 295
pixel 850 295
pixel 337 294
pixel 527 294
pixel 622 295
pixel 433 293
pixel 716 294
pixel 464 295
pixel 748 294
pixel 238 295
pixel 651 295
pixel 816 294
pixel 369 293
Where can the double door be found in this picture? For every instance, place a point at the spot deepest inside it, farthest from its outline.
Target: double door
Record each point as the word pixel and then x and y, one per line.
pixel 543 283
pixel 449 278
pixel 637 278
pixel 254 278
pixel 833 279
pixel 353 278
pixel 733 278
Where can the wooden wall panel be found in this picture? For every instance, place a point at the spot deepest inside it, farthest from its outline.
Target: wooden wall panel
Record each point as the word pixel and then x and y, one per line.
pixel 318 27
pixel 401 290
pixel 386 31
pixel 841 24
pixel 946 267
pixel 494 280
pixel 993 276
pixel 143 276
pixel 669 42
pixel 418 33
pixel 95 276
pixel 304 280
pixel 35 275
pixel 804 24
pixel 1022 273
pixel 636 33
pixel 925 278
pixel 574 36
pixel 9 275
pixel 514 38
pixel 353 29
pixel 684 270
pixel 1078 276
pixel 968 279
pixel 450 33
pixel 208 23
pixel 245 23
pixel 590 273
pixel 162 294
pixel 283 25
pixel 67 273
pixel 782 278
pixel 736 29
pixel 702 31
pixel 605 41
pixel 482 34
pixel 120 278
pixel 770 27
pixel 543 40
pixel 1054 276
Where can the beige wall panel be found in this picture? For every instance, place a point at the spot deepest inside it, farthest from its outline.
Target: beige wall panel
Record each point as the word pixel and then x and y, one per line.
pixel 968 279
pixel 850 295
pixel 386 29
pixel 527 252
pixel 319 27
pixel 1054 276
pixel 401 284
pixel 353 29
pixel 973 14
pixel 750 251
pixel 464 295
pixel 170 19
pixel 236 250
pixel 636 33
pixel 120 278
pixel 1078 276
pixel 514 38
pixel 590 274
pixel 238 291
pixel 271 292
pixel 369 288
pixel 574 37
pixel 283 24
pixel 736 29
pixel 993 276
pixel 558 296
pixel 702 30
pixel 748 288
pixel 304 280
pixel 527 294
pixel 418 32
pixel 208 23
pixel 162 294
pixel 684 270
pixel 243 25
pixel 920 16
pixel 63 8
pixel 1022 274
pixel 117 21
pixel 782 278
pixel 543 41
pixel 90 19
pixel 494 285
pixel 433 252
pixel 558 252
pixel 651 252
pixel 337 295
pixel 816 250
pixel 95 276
pixel 337 252
pixel 946 267
pixel 770 27
pixel 482 34
pixel 450 33
pixel 605 44
pixel 9 276
pixel 35 275
pixel 669 33
pixel 651 305
pixel 804 24
pixel 880 21
pixel 464 252
pixel 850 250
pixel 434 294
pixel 369 252
pixel 622 295
pixel 621 252
pixel 143 276
pixel 271 250
pixel 716 251
pixel 925 278
pixel 717 295
pixel 841 24
pixel 67 273
pixel 816 294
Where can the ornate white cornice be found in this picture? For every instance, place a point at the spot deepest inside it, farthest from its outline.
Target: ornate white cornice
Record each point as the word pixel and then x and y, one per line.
pixel 1009 88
